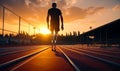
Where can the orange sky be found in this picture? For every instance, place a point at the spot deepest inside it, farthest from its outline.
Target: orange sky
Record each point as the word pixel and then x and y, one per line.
pixel 78 15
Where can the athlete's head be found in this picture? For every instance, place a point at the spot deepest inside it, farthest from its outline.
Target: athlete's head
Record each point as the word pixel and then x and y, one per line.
pixel 54 5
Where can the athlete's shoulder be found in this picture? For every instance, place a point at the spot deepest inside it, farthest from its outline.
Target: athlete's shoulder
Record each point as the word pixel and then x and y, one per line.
pixel 58 9
pixel 50 9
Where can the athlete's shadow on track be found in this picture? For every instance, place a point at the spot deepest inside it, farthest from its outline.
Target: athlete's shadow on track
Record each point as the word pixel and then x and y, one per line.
pixel 57 53
pixel 60 54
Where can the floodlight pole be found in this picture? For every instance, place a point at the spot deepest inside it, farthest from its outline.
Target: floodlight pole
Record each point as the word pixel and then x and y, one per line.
pixel 3 20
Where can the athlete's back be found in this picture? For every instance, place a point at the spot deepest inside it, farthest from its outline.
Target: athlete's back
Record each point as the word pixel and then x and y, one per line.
pixel 54 13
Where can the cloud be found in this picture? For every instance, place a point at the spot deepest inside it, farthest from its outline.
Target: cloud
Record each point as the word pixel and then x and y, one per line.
pixel 35 11
pixel 93 10
pixel 116 7
pixel 44 3
pixel 74 13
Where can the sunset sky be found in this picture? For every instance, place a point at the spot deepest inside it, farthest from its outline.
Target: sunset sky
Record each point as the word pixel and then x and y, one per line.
pixel 78 15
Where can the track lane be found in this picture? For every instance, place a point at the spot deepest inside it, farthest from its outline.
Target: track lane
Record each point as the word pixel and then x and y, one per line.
pixel 84 61
pixel 91 63
pixel 101 55
pixel 5 66
pixel 9 57
pixel 12 49
pixel 99 50
pixel 44 61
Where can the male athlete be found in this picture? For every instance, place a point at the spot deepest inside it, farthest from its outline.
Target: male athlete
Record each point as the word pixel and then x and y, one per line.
pixel 54 23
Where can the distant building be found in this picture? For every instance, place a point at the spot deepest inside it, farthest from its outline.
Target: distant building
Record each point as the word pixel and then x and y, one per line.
pixel 106 34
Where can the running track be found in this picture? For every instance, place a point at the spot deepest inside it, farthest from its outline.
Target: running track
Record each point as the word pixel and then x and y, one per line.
pixel 66 58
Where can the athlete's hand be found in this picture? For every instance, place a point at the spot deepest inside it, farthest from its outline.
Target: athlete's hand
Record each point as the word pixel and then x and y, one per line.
pixel 48 26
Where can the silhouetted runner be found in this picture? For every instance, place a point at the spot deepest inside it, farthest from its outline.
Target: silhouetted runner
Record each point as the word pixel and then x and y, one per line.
pixel 54 23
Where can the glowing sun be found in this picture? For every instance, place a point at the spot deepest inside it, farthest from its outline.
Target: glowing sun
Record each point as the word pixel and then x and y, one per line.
pixel 44 31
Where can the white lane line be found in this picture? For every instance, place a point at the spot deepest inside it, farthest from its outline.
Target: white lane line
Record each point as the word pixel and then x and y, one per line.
pixel 20 58
pixel 71 62
pixel 24 62
pixel 111 56
pixel 98 58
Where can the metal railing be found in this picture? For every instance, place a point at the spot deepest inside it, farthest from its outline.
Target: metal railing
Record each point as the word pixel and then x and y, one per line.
pixel 12 23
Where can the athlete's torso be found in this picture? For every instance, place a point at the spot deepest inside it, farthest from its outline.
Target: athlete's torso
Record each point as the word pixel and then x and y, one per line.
pixel 54 13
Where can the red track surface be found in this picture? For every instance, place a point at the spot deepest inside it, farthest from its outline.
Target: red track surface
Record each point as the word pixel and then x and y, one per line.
pixel 86 63
pixel 44 61
pixel 48 60
pixel 9 57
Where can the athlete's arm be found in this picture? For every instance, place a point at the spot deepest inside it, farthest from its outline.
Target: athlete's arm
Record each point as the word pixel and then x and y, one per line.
pixel 62 26
pixel 48 20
